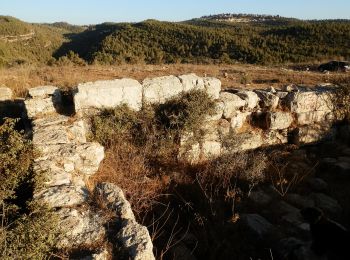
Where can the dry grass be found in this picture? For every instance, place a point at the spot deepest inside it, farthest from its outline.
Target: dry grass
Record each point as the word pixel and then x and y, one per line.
pixel 21 78
pixel 127 167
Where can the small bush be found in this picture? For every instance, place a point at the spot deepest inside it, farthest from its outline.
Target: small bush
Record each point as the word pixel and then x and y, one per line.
pixel 27 229
pixel 186 112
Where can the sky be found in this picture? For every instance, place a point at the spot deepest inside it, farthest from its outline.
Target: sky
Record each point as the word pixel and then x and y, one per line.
pixel 98 11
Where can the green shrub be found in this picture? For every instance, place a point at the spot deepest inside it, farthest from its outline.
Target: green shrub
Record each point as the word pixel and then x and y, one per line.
pixel 27 228
pixel 186 112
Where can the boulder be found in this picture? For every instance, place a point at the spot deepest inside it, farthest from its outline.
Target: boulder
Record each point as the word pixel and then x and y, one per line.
pixel 273 137
pixel 257 225
pixel 114 198
pixel 137 241
pixel 250 97
pixel 268 100
pixel 212 86
pixel 80 229
pixel 326 203
pixel 108 94
pixel 232 104
pixel 278 120
pixel 192 81
pixel 5 94
pixel 158 90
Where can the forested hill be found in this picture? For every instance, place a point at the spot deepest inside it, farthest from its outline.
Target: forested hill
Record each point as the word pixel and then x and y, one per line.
pixel 267 40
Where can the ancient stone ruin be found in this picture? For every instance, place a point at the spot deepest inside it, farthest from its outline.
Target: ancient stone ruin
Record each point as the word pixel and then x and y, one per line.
pixel 244 120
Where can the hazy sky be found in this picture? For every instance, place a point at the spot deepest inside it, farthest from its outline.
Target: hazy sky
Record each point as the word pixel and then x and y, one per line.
pixel 97 11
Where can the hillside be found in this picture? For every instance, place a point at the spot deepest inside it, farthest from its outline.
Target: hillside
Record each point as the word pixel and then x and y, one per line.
pixel 207 40
pixel 22 42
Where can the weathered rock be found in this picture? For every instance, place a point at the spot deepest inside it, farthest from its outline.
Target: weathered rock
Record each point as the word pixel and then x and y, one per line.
pixel 281 94
pixel 299 201
pixel 211 149
pixel 239 119
pixel 317 184
pixel 250 97
pixel 258 225
pixel 307 118
pixel 44 100
pixel 275 137
pixel 62 196
pixel 292 248
pixel 136 239
pixel 192 81
pixel 108 94
pixel 219 110
pixel 83 158
pixel 278 120
pixel 190 152
pixel 308 101
pixel 80 228
pixel 268 99
pixel 5 94
pixel 232 104
pixel 115 199
pixel 47 133
pixel 158 90
pixel 212 86
pixel 260 197
pixel 326 203
pixel 243 142
pixel 314 133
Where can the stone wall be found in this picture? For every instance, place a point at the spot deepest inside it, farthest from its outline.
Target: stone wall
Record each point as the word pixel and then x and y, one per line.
pixel 243 120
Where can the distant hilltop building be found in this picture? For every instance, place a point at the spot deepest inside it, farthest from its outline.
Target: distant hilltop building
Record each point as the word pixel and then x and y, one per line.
pixel 242 18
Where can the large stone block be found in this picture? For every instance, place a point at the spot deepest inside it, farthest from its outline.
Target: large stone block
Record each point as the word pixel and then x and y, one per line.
pixel 308 118
pixel 158 90
pixel 43 100
pixel 250 97
pixel 212 87
pixel 268 99
pixel 314 133
pixel 192 81
pixel 309 101
pixel 5 94
pixel 278 120
pixel 108 94
pixel 232 104
pixel 239 119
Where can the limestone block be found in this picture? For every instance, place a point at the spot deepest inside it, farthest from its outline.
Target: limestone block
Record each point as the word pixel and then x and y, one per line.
pixel 278 120
pixel 272 137
pixel 5 94
pixel 84 158
pixel 314 133
pixel 109 94
pixel 307 118
pixel 309 101
pixel 212 87
pixel 232 104
pixel 42 91
pixel 114 198
pixel 192 81
pixel 45 100
pixel 250 97
pixel 137 241
pixel 239 119
pixel 158 90
pixel 80 229
pixel 62 196
pixel 268 100
pixel 211 149
pixel 219 110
